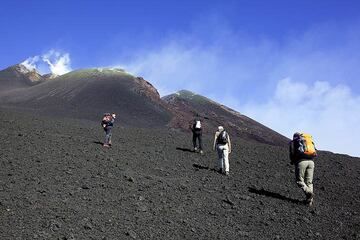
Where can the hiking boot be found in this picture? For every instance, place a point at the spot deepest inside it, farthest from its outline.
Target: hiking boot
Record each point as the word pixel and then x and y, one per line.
pixel 106 145
pixel 310 199
pixel 311 202
pixel 201 152
pixel 227 173
pixel 195 149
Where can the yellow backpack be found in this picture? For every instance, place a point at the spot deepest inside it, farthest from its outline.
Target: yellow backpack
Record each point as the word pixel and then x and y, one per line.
pixel 306 146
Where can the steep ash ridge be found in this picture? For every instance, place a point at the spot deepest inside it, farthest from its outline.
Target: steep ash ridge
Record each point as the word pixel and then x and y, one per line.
pixel 186 105
pixel 88 93
pixel 18 76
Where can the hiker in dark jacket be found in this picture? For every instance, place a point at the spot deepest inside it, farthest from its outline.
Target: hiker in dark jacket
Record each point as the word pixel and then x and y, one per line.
pixel 304 169
pixel 108 123
pixel 196 129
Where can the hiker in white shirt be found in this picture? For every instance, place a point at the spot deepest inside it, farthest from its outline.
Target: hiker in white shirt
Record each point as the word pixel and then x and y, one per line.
pixel 222 145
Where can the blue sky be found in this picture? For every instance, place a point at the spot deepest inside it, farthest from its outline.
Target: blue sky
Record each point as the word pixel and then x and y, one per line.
pixel 291 65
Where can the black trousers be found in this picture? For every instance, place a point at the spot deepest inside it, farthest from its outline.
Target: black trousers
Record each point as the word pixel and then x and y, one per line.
pixel 197 135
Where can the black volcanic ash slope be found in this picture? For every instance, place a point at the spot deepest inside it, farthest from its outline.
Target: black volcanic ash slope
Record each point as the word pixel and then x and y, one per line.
pixel 57 182
pixel 89 93
pixel 215 114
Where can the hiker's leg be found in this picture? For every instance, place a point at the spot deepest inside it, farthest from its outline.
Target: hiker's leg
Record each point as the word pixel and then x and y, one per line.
pixel 220 151
pixel 110 135
pixel 226 157
pixel 309 173
pixel 107 135
pixel 105 140
pixel 300 169
pixel 200 141
pixel 194 140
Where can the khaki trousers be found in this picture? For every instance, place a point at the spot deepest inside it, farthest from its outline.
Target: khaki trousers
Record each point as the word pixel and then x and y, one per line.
pixel 304 172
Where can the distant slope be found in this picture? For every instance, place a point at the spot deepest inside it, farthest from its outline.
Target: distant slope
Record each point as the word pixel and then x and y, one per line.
pixel 89 93
pixel 18 76
pixel 186 104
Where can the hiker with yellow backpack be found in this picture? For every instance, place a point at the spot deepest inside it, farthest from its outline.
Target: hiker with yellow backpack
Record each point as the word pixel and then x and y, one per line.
pixel 302 154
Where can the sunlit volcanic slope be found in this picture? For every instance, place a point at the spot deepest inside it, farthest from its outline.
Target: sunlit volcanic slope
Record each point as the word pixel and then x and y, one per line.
pixel 89 93
pixel 187 104
pixel 18 76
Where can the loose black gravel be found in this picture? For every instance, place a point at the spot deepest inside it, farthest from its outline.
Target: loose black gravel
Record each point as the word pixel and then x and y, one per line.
pixel 58 182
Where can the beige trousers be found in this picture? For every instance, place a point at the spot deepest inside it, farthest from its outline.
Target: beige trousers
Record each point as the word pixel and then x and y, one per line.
pixel 223 155
pixel 304 172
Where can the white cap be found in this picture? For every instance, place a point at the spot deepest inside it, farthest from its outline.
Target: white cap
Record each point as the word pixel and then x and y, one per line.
pixel 220 128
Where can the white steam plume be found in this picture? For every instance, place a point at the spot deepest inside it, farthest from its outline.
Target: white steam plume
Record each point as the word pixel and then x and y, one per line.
pixel 56 62
pixel 30 63
pixel 59 63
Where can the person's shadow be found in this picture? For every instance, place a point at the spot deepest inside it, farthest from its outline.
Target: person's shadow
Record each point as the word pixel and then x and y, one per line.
pixel 198 166
pixel 98 142
pixel 274 195
pixel 184 149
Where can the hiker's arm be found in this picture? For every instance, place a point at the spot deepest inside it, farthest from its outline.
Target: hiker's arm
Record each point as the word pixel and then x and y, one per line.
pixel 315 149
pixel 214 145
pixel 291 153
pixel 191 125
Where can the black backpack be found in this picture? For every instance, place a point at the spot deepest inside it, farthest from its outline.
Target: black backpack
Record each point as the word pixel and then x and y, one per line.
pixel 222 138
